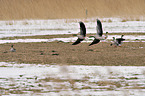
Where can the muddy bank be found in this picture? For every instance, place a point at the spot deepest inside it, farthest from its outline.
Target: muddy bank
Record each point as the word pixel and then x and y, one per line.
pixel 130 54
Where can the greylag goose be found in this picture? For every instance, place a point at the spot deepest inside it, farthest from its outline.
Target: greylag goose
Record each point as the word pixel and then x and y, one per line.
pixel 12 48
pixel 82 35
pixel 117 41
pixel 99 36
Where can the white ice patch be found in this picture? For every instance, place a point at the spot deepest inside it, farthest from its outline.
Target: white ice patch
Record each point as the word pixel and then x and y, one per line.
pixel 73 79
pixel 64 26
pixel 129 38
pixel 23 40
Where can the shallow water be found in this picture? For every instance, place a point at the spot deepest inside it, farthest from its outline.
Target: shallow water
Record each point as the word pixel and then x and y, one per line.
pixel 129 38
pixel 32 79
pixel 63 26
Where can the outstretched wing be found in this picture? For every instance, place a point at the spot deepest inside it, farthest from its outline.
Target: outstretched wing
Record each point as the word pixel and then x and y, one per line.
pixel 82 33
pixel 95 42
pixel 99 28
pixel 119 40
pixel 82 29
pixel 78 41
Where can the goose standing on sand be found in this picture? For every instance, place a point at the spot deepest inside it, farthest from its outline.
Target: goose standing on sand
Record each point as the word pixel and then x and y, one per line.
pixel 82 35
pixel 12 48
pixel 117 41
pixel 99 36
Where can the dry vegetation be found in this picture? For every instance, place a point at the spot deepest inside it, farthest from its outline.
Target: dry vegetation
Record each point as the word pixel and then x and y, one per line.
pixel 64 53
pixel 52 9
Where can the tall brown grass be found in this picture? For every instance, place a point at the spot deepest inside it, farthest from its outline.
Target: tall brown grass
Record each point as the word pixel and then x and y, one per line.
pixel 52 9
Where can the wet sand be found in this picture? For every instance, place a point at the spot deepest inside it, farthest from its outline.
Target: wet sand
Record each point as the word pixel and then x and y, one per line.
pixel 130 54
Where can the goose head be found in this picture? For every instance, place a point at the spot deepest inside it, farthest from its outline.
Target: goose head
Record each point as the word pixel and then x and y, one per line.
pixel 122 36
pixel 106 35
pixel 12 45
pixel 113 38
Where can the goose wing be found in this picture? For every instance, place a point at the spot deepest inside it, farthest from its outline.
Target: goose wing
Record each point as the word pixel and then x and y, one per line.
pixel 119 40
pixel 77 41
pixel 99 28
pixel 95 42
pixel 82 33
pixel 82 29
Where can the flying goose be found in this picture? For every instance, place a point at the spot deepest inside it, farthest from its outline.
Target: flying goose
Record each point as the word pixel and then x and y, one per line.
pixel 82 35
pixel 117 41
pixel 12 48
pixel 99 36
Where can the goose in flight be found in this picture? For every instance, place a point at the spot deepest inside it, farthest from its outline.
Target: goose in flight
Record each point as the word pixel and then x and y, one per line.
pixel 99 36
pixel 117 41
pixel 82 35
pixel 12 48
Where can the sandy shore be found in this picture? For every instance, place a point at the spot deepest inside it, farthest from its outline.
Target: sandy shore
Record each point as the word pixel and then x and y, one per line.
pixel 130 54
